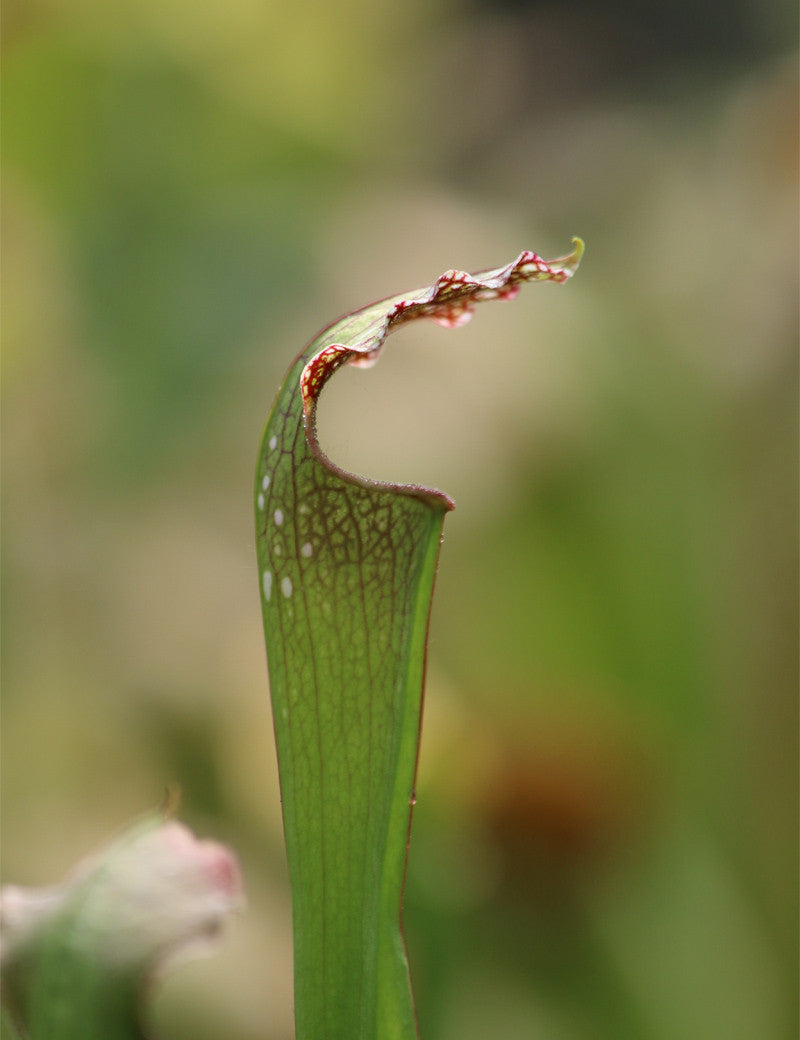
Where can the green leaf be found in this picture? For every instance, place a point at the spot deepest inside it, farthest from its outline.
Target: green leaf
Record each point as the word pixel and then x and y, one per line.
pixel 347 567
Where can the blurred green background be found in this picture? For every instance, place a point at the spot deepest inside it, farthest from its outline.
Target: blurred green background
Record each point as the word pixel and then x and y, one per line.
pixel 605 839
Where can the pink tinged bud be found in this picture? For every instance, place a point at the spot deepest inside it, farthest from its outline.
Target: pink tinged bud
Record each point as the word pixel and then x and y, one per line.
pixel 149 895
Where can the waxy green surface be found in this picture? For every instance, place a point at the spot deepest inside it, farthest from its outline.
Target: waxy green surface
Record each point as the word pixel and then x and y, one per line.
pixel 346 569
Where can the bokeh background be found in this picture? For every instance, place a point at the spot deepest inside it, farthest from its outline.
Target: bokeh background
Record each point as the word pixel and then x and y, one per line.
pixel 605 842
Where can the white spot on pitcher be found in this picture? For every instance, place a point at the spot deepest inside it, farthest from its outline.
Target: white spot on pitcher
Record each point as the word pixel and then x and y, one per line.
pixel 277 516
pixel 261 500
pixel 267 584
pixel 307 549
pixel 286 586
pixel 265 481
pixel 273 443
